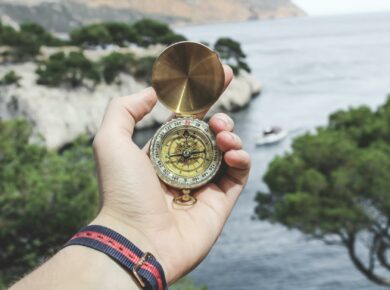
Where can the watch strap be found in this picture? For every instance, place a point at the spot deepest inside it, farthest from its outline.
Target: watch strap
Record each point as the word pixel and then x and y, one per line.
pixel 144 267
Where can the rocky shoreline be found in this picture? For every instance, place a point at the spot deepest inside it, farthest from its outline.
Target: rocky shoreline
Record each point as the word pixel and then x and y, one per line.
pixel 60 115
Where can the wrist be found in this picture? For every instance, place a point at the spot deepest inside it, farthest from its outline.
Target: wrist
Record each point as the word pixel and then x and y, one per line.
pixel 135 236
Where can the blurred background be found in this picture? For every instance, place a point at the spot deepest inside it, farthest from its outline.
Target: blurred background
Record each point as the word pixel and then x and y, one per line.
pixel 309 99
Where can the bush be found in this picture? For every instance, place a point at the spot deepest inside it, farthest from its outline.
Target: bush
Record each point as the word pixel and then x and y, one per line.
pixel 230 51
pixel 103 34
pixel 334 186
pixel 45 197
pixel 26 43
pixel 152 32
pixel 40 34
pixel 71 70
pixel 115 63
pixel 121 33
pixel 142 68
pixel 10 78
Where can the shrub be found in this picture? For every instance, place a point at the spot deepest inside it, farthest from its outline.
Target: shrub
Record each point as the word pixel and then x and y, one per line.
pixel 142 68
pixel 151 32
pixel 230 51
pixel 44 197
pixel 10 78
pixel 334 186
pixel 40 34
pixel 103 34
pixel 69 70
pixel 115 63
pixel 91 35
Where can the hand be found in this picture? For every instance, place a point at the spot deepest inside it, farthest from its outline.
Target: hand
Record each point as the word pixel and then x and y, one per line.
pixel 139 206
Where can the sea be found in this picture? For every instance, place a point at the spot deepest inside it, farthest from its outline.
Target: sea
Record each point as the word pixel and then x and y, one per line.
pixel 309 67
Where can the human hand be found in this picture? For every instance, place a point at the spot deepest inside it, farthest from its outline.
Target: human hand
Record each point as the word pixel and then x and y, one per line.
pixel 138 205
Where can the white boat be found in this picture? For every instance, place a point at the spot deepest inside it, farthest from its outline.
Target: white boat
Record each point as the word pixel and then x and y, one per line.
pixel 271 135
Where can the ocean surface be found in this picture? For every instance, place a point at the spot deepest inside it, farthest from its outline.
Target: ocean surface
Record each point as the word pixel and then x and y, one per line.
pixel 309 67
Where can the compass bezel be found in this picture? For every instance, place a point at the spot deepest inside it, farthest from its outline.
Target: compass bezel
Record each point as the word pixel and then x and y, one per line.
pixel 171 178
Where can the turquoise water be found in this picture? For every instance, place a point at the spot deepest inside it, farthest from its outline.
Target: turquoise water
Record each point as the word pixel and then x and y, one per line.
pixel 309 67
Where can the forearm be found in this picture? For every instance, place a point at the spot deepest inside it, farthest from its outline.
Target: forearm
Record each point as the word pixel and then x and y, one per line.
pixel 78 268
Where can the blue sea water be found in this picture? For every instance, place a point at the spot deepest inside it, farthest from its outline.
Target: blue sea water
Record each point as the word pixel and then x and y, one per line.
pixel 309 67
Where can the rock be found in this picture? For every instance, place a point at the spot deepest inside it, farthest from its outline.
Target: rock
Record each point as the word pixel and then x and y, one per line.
pixel 60 115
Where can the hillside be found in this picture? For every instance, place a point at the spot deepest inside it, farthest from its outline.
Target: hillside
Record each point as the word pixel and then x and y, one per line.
pixel 63 15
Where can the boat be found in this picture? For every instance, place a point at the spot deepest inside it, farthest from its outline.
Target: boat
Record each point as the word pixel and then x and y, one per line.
pixel 271 135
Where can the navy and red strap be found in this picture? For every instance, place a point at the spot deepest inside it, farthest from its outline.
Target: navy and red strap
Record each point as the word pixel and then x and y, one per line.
pixel 143 266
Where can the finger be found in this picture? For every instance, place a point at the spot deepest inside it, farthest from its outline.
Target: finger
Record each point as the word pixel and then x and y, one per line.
pixel 221 122
pixel 124 112
pixel 228 78
pixel 237 172
pixel 228 141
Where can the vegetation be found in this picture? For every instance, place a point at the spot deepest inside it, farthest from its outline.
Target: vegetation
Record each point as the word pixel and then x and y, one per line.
pixel 144 33
pixel 25 44
pixel 71 70
pixel 115 63
pixel 152 32
pixel 143 68
pixel 230 51
pixel 44 198
pixel 334 186
pixel 10 78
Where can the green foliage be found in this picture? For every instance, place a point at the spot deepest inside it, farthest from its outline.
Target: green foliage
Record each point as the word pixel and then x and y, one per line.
pixel 45 196
pixel 230 51
pixel 121 33
pixel 40 35
pixel 91 35
pixel 152 32
pixel 25 44
pixel 115 63
pixel 10 78
pixel 103 34
pixel 71 70
pixel 335 184
pixel 142 68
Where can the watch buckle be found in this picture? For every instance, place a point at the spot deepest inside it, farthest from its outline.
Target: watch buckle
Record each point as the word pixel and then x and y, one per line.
pixel 138 266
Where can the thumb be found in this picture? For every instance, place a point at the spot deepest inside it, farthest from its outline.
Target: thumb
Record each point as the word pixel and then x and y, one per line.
pixel 124 112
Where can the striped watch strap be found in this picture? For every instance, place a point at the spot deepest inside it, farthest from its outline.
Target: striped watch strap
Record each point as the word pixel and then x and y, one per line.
pixel 146 270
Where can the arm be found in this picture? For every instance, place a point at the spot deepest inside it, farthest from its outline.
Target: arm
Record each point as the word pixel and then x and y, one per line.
pixel 137 205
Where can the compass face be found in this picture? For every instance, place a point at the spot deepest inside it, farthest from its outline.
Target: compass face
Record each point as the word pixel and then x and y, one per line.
pixel 184 153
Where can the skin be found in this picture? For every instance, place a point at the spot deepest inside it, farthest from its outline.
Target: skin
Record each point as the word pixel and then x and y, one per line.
pixel 136 204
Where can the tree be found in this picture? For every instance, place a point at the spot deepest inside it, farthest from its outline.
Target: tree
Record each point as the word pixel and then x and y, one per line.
pixel 40 34
pixel 71 70
pixel 45 197
pixel 152 32
pixel 121 33
pixel 230 51
pixel 142 68
pixel 10 78
pixel 334 186
pixel 115 63
pixel 91 35
pixel 24 46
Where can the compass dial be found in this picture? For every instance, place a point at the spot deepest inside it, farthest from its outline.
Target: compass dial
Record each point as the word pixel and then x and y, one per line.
pixel 184 153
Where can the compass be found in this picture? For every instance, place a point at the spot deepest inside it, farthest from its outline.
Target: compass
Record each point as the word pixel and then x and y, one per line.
pixel 188 78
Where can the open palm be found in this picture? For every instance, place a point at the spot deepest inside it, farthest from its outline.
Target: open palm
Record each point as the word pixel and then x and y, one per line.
pixel 138 205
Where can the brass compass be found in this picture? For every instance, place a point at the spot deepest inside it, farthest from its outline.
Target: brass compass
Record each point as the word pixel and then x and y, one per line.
pixel 188 78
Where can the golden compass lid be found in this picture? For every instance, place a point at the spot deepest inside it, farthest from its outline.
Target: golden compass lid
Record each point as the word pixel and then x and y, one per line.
pixel 188 77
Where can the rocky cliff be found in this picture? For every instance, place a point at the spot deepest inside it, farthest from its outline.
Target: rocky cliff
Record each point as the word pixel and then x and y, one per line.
pixel 59 115
pixel 63 15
